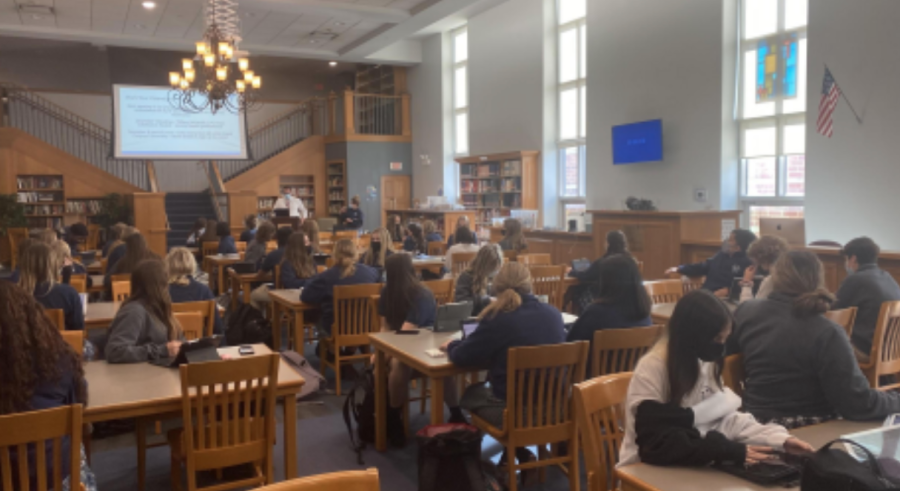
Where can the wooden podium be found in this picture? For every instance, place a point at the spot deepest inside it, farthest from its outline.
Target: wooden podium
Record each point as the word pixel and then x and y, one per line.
pixel 656 237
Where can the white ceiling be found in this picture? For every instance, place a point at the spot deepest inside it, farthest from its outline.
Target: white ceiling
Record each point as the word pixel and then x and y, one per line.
pixel 274 27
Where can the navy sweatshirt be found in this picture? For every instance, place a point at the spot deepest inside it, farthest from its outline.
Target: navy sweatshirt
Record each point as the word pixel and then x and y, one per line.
pixel 434 237
pixel 532 324
pixel 319 289
pixel 114 256
pixel 356 217
pixel 62 297
pixel 720 270
pixel 289 278
pixel 248 235
pixel 602 316
pixel 227 246
pixel 271 260
pixel 195 292
pixel 421 313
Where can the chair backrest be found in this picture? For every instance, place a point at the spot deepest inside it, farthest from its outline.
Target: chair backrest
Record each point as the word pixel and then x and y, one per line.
pixel 121 290
pixel 442 290
pixel 240 246
pixel 353 320
pixel 58 317
pixel 664 291
pixel 538 389
pixel 844 318
pixel 271 246
pixel 510 255
pixel 325 236
pixel 75 339
pixel 689 284
pixel 321 269
pixel 366 480
pixel 209 248
pixel 120 277
pixel 79 282
pixel 529 259
pixel 103 262
pixel 548 280
pixel 229 413
pixel 886 344
pixel 329 262
pixel 733 373
pixel 206 308
pixel 437 248
pixel 43 429
pixel 618 350
pixel 93 237
pixel 191 324
pixel 600 408
pixel 461 262
pixel 14 236
pixel 277 277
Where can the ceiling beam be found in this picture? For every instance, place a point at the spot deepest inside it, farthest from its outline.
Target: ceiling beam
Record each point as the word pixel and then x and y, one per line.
pixel 348 10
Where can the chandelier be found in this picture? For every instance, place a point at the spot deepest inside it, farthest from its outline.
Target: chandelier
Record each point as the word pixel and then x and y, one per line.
pixel 219 76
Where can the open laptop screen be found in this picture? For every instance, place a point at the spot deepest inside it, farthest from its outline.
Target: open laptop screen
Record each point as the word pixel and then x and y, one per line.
pixel 468 328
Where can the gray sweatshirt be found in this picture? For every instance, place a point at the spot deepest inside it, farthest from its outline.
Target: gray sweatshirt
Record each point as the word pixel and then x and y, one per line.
pixel 866 289
pixel 801 366
pixel 136 336
pixel 464 293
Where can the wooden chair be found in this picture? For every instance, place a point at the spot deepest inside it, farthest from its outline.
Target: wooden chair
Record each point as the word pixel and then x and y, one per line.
pixel 664 291
pixel 79 282
pixel 884 359
pixel 277 277
pixel 461 262
pixel 41 429
pixel 689 284
pixel 437 248
pixel 14 236
pixel 209 248
pixel 191 324
pixel 103 262
pixel 353 322
pixel 228 410
pixel 120 277
pixel 442 290
pixel 240 246
pixel 329 262
pixel 121 290
pixel 206 308
pixel 75 339
pixel 326 236
pixel 733 373
pixel 58 317
pixel 271 246
pixel 537 407
pixel 618 350
pixel 93 238
pixel 510 255
pixel 844 318
pixel 600 409
pixel 548 280
pixel 345 234
pixel 321 269
pixel 534 259
pixel 366 480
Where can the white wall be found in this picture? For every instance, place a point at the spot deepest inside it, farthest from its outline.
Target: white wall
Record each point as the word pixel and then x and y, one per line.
pixel 657 59
pixel 851 179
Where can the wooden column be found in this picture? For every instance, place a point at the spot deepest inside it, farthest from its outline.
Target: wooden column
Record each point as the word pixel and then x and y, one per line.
pixel 240 204
pixel 349 123
pixel 151 175
pixel 150 219
pixel 405 117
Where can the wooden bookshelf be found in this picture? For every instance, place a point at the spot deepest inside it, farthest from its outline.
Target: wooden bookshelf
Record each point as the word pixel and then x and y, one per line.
pixel 46 203
pixel 304 188
pixel 337 186
pixel 494 185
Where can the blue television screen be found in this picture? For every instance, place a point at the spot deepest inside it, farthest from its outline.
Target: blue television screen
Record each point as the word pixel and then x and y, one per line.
pixel 637 142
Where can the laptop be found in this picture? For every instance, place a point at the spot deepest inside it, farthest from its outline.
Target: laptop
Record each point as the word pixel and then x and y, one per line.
pixel 450 317
pixel 196 351
pixel 792 230
pixel 469 327
pixel 580 265
pixel 282 212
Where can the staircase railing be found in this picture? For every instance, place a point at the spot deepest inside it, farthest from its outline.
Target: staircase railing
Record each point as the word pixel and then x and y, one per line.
pixel 68 132
pixel 217 194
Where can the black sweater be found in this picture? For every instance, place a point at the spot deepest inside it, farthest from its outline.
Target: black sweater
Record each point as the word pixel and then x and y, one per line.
pixel 720 270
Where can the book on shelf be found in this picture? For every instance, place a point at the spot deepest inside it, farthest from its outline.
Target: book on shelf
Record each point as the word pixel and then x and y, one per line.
pixel 44 210
pixel 512 167
pixel 511 184
pixel 265 203
pixel 55 223
pixel 39 182
pixel 301 191
pixel 89 207
pixel 489 170
pixel 39 197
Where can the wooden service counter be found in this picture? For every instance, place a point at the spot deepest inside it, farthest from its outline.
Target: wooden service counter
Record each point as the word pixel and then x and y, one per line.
pixel 444 219
pixel 657 238
pixel 563 247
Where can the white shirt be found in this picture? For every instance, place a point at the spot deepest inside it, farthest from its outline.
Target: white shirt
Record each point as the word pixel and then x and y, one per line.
pixel 295 205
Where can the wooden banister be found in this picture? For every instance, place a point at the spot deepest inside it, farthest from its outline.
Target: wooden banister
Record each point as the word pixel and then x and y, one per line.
pixel 349 123
pixel 405 116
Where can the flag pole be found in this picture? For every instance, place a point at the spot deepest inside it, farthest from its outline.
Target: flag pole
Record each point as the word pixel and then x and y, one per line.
pixel 858 119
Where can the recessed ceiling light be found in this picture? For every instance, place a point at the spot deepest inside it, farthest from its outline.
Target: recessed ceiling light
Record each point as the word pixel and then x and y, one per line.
pixel 149 5
pixel 339 24
pixel 313 41
pixel 332 63
pixel 36 17
pixel 139 26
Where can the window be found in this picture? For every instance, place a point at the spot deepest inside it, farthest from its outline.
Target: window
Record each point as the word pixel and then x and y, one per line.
pixel 460 41
pixel 572 98
pixel 772 108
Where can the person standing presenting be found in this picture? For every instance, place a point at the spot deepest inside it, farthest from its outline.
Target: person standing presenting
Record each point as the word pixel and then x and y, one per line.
pixel 351 217
pixel 291 202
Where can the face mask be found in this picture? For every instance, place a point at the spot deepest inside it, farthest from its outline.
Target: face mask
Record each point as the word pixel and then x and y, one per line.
pixel 712 352
pixel 287 196
pixel 376 247
pixel 849 269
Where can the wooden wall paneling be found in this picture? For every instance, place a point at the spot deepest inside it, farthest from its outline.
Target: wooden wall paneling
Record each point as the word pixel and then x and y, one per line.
pixel 568 250
pixel 150 219
pixel 541 246
pixel 707 225
pixel 240 204
pixel 654 243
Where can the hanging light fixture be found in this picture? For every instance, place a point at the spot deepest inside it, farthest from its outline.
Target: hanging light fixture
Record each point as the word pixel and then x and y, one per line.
pixel 219 76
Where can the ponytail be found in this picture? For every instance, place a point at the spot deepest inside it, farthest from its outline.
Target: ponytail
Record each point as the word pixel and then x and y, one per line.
pixel 813 303
pixel 345 255
pixel 513 281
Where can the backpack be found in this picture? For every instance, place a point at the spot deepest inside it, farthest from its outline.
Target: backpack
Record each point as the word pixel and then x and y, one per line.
pixel 450 460
pixel 359 407
pixel 836 470
pixel 247 325
pixel 313 379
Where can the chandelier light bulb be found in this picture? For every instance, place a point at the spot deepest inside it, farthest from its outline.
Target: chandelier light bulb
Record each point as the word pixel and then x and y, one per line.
pixel 187 64
pixel 190 75
pixel 209 59
pixel 174 78
pixel 201 48
pixel 240 85
pixel 223 48
pixel 257 82
pixel 243 64
pixel 248 76
pixel 222 73
pixel 184 84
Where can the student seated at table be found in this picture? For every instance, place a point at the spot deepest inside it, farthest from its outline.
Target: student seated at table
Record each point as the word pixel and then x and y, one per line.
pixel 380 248
pixel 256 250
pixel 799 366
pixel 210 233
pixel 622 301
pixel 587 290
pixel 226 241
pixel 260 294
pixel 197 232
pixel 415 240
pixel 38 370
pixel 406 305
pixel 114 238
pixel 136 251
pixel 67 265
pixel 721 269
pixel 866 287
pixel 431 233
pixel 250 221
pixel 764 252
pixel 464 242
pixel 76 236
pixel 319 290
pixel 181 265
pixel 462 221
pixel 474 284
pixel 513 238
pixel 39 275
pixel 677 412
pixel 298 265
pixel 45 235
pixel 311 229
pixel 395 228
pixel 118 252
pixel 144 328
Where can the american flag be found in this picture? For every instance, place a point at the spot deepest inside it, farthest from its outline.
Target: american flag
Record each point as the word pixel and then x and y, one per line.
pixel 830 94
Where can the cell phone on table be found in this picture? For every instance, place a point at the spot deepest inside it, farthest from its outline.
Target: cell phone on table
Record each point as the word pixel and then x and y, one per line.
pixel 245 350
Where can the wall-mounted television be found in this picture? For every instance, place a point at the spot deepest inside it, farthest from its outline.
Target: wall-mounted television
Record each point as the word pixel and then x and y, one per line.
pixel 637 142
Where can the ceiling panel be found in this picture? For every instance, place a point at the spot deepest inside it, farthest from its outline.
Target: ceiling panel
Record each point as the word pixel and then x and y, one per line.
pixel 107 25
pixel 78 23
pixel 270 27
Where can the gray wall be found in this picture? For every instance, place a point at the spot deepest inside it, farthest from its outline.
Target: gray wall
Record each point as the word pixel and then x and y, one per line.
pixel 366 163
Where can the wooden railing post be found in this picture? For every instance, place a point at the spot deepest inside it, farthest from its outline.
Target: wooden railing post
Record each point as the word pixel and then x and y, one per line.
pixel 405 117
pixel 332 114
pixel 3 98
pixel 349 112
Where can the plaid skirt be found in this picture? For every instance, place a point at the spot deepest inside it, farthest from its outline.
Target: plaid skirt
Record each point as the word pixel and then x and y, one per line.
pixel 792 422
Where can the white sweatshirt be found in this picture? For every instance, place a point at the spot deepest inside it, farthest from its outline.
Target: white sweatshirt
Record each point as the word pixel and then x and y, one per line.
pixel 714 408
pixel 765 289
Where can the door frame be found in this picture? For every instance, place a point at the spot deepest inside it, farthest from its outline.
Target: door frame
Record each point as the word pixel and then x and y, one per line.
pixel 384 209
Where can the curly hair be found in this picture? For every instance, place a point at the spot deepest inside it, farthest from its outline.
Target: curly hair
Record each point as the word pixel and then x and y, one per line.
pixel 32 352
pixel 767 249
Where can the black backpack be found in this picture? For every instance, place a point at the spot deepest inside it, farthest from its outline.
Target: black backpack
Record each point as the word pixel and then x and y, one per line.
pixel 836 470
pixel 247 325
pixel 359 407
pixel 450 460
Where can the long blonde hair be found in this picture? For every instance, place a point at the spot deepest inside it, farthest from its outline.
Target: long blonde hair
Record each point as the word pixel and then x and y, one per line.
pixel 345 256
pixel 370 258
pixel 62 251
pixel 39 264
pixel 513 281
pixel 181 265
pixel 311 229
pixel 485 264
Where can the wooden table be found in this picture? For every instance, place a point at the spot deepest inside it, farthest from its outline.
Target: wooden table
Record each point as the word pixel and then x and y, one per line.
pixel 142 389
pixel 94 267
pixel 97 283
pixel 644 477
pixel 214 265
pixel 662 312
pixel 242 283
pixel 100 315
pixel 411 351
pixel 287 301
